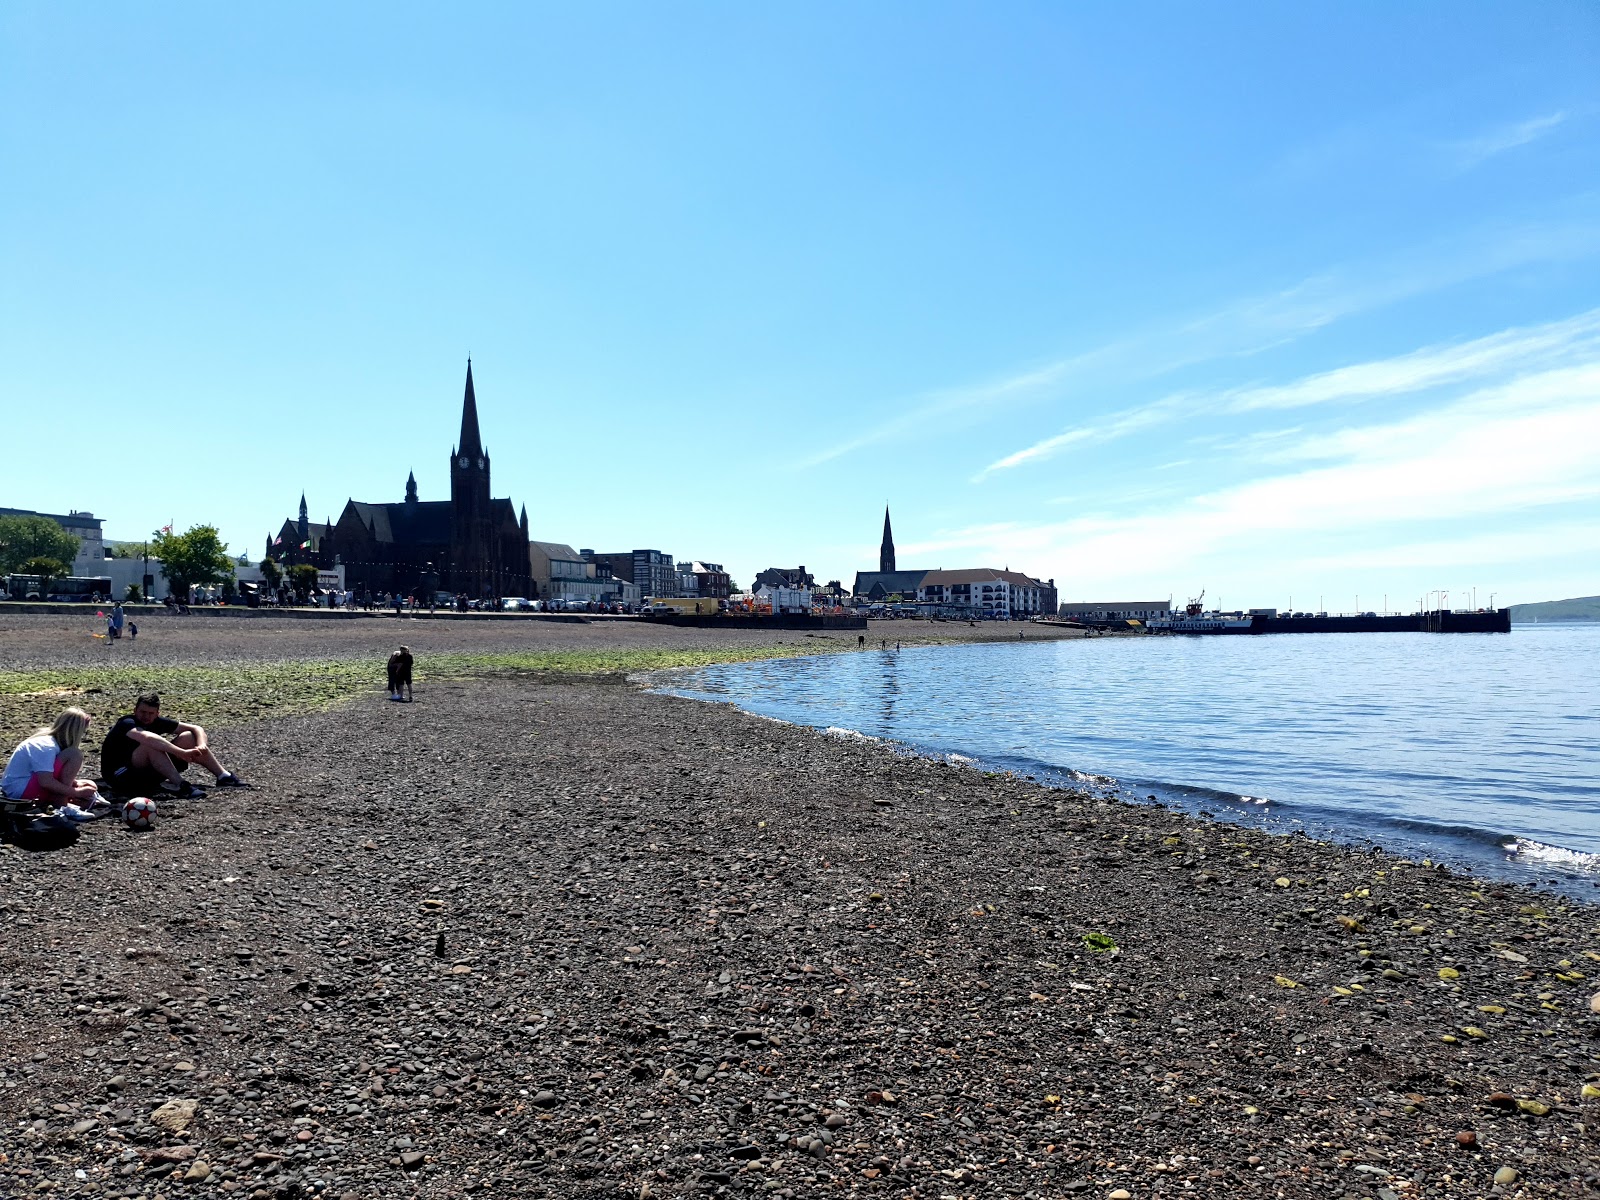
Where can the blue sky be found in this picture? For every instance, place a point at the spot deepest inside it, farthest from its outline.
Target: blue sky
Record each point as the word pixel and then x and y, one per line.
pixel 1278 301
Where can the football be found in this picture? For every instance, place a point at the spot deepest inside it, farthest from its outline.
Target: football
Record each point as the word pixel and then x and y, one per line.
pixel 139 813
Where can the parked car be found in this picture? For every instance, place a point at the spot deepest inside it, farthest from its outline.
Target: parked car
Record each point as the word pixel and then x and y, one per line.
pixel 516 604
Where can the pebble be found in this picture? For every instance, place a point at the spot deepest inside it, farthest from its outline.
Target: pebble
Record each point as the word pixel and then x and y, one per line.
pixel 1505 1176
pixel 198 1170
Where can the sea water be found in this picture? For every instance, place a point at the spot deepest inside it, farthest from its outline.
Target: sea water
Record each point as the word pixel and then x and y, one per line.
pixel 1477 750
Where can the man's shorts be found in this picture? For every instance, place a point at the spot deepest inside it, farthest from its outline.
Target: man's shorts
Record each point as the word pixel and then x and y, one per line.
pixel 139 781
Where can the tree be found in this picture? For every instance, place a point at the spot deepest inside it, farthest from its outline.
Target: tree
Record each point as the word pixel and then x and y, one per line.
pixel 47 569
pixel 133 596
pixel 303 577
pixel 22 538
pixel 196 556
pixel 271 573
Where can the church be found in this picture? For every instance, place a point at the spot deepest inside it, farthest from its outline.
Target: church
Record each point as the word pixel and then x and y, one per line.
pixel 472 543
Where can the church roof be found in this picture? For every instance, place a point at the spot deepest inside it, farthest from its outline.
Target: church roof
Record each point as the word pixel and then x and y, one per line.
pixel 904 582
pixel 557 550
pixel 425 522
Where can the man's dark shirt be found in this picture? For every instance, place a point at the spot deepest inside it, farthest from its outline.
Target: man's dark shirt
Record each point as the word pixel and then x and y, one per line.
pixel 116 751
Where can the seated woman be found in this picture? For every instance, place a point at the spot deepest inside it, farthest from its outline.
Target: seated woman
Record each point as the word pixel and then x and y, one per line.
pixel 44 768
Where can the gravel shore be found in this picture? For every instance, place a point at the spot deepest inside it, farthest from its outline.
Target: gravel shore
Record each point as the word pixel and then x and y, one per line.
pixel 539 936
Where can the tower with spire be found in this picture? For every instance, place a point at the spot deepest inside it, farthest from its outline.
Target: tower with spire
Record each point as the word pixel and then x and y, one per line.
pixel 886 551
pixel 471 563
pixel 303 528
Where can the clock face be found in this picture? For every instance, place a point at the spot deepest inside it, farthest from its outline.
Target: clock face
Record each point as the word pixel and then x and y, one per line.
pixel 462 460
pixel 480 464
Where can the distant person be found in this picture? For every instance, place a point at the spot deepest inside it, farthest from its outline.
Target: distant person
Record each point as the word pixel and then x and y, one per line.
pixel 133 631
pixel 145 754
pixel 118 619
pixel 44 768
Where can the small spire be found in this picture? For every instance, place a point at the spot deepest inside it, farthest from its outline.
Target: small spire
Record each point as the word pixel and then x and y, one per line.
pixel 411 488
pixel 471 442
pixel 886 551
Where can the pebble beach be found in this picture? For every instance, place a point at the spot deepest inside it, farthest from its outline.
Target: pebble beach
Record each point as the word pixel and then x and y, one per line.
pixel 546 932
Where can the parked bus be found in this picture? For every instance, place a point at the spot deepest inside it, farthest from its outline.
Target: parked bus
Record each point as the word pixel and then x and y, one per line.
pixel 68 587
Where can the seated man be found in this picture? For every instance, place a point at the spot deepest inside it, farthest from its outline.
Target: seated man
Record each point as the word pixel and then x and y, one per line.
pixel 145 752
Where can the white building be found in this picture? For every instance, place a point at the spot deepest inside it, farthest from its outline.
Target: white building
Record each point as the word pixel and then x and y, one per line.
pixel 1115 610
pixel 983 593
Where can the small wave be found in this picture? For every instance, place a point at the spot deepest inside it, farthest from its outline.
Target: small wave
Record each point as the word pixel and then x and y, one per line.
pixel 1435 829
pixel 849 735
pixel 960 760
pixel 1527 850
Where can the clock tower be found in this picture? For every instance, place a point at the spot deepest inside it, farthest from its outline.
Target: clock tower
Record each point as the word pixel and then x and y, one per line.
pixel 471 570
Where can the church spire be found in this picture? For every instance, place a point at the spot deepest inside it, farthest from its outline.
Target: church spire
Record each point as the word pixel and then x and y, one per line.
pixel 411 488
pixel 304 526
pixel 886 551
pixel 524 522
pixel 471 443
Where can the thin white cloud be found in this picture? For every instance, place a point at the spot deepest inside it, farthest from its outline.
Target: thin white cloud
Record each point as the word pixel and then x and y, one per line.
pixel 1238 330
pixel 1576 339
pixel 1432 366
pixel 1469 152
pixel 1517 447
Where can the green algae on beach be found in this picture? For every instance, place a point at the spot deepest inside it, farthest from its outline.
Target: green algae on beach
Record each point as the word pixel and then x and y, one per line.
pixel 243 691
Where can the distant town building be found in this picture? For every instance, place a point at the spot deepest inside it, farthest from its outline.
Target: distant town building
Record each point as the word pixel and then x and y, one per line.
pixel 786 599
pixel 784 577
pixel 654 571
pixel 84 526
pixel 711 581
pixel 983 592
pixel 472 543
pixel 562 573
pixel 1114 610
pixel 972 592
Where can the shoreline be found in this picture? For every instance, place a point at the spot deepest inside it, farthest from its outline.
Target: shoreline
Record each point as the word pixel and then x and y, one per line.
pixel 563 936
pixel 1489 853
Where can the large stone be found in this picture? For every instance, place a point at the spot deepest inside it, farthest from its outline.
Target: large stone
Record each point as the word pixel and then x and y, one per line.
pixel 174 1116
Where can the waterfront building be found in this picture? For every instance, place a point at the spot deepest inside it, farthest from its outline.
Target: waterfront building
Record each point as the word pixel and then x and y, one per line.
pixel 710 580
pixel 983 593
pixel 653 571
pixel 1114 610
pixel 562 573
pixel 970 592
pixel 784 577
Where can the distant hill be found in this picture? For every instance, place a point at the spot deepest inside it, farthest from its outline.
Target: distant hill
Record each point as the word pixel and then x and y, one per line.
pixel 1584 608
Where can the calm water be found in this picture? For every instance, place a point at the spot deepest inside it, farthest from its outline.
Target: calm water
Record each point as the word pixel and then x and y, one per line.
pixel 1478 750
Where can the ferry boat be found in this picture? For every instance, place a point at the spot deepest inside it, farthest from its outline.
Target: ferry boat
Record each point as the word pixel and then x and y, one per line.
pixel 1195 619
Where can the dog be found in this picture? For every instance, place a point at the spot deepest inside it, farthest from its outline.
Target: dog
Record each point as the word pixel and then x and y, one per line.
pixel 400 674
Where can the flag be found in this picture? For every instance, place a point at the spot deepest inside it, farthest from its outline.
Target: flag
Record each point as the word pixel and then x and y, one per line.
pixel 278 541
pixel 166 529
pixel 305 545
